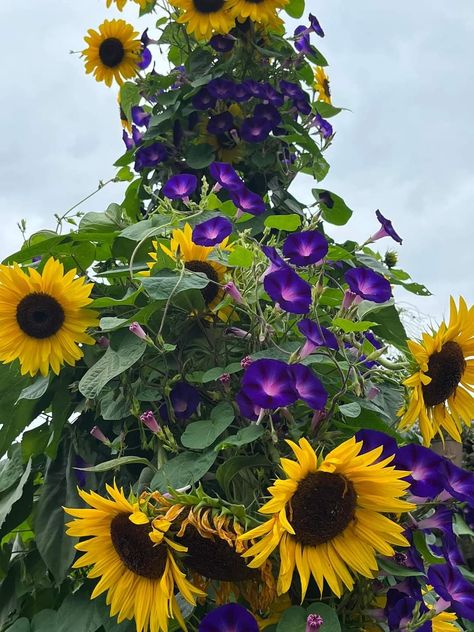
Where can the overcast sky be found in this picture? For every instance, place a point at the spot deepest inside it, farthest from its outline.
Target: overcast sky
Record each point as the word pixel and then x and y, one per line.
pixel 403 68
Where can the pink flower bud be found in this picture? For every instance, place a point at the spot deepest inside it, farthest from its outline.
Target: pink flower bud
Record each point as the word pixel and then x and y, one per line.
pixel 318 417
pixel 224 378
pixel 246 362
pixel 97 433
pixel 103 341
pixel 348 299
pixel 372 393
pixel 313 623
pixel 148 418
pixel 137 329
pixel 232 290
pixel 236 331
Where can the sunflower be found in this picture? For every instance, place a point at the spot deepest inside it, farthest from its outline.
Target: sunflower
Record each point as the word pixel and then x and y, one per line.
pixel 139 574
pixel 440 390
pixel 113 52
pixel 42 317
pixel 215 555
pixel 263 11
pixel 321 85
pixel 205 17
pixel 444 622
pixel 327 517
pixel 196 259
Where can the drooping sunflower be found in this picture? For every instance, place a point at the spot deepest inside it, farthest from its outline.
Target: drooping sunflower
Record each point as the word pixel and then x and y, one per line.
pixel 327 518
pixel 214 554
pixel 263 11
pixel 196 259
pixel 321 85
pixel 42 317
pixel 113 52
pixel 440 390
pixel 139 574
pixel 205 17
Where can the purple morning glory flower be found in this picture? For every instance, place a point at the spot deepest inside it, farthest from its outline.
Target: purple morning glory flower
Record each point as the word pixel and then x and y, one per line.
pixel 269 384
pixel 376 344
pixel 226 176
pixel 255 129
pixel 302 41
pixel 247 407
pixel 247 201
pixel 254 88
pixel 425 479
pixel 309 387
pixel 268 112
pixel 289 290
pixel 221 88
pixel 400 610
pixel 150 156
pixel 449 550
pixel 129 144
pixel 458 483
pixel 303 106
pixel 292 90
pixel 220 123
pixel 372 439
pixel 315 25
pixel 212 231
pixel 140 116
pixel 276 262
pixel 185 399
pixel 240 93
pixel 455 591
pixel 441 519
pixel 204 100
pixel 180 187
pixel 316 336
pixel 326 199
pixel 145 40
pixel 324 127
pixel 305 248
pixel 271 95
pixel 229 618
pixel 145 59
pixel 222 43
pixel 368 284
pixel 386 230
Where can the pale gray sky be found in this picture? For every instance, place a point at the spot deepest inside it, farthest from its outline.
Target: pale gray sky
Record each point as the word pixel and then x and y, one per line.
pixel 404 69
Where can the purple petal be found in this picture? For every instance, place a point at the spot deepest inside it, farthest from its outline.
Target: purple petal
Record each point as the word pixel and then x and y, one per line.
pixel 146 58
pixel 269 112
pixel 292 90
pixel 247 407
pixel 212 231
pixel 368 284
pixel 203 100
pixel 140 117
pixel 255 129
pixel 220 123
pixel 441 519
pixel 458 483
pixel 150 156
pixel 302 40
pixel 226 176
pixel 387 229
pixel 315 25
pixel 309 387
pixel 451 586
pixel 185 399
pixel 317 335
pixel 425 465
pixel 222 43
pixel 289 290
pixel 180 186
pixel 269 384
pixel 305 248
pixel 229 618
pixel 247 201
pixel 129 144
pixel 372 439
pixel 221 88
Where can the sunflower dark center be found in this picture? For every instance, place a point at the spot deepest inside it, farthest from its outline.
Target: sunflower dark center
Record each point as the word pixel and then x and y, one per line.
pixel 322 507
pixel 211 290
pixel 111 52
pixel 39 315
pixel 445 368
pixel 327 89
pixel 135 549
pixel 214 558
pixel 208 6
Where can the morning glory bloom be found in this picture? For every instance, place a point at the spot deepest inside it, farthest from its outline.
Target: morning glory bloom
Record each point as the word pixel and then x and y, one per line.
pixel 324 127
pixel 268 112
pixel 270 95
pixel 128 140
pixel 309 387
pixel 289 290
pixel 386 230
pixel 180 187
pixel 185 399
pixel 326 199
pixel 140 117
pixel 292 90
pixel 455 591
pixel 150 156
pixel 305 248
pixel 233 291
pixel 372 439
pixel 316 336
pixel 302 40
pixel 148 418
pixel 222 43
pixel 240 93
pixel 368 284
pixel 255 129
pixel 276 262
pixel 247 201
pixel 315 25
pixel 254 88
pixel 221 88
pixel 203 100
pixel 226 176
pixel 458 483
pixel 212 231
pixel 220 123
pixel 145 59
pixel 441 519
pixel 229 618
pixel 247 407
pixel 426 480
pixel 269 384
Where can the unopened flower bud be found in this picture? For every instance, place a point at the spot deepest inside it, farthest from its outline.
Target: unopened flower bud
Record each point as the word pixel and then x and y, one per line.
pixel 224 378
pixel 313 623
pixel 232 290
pixel 138 330
pixel 236 331
pixel 246 362
pixel 97 433
pixel 103 341
pixel 148 418
pixel 391 258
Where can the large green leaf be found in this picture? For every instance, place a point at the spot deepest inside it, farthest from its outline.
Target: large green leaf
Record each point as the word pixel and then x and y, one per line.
pixel 11 469
pixel 9 498
pixel 201 434
pixel 295 8
pixel 233 466
pixel 168 282
pixel 390 327
pixel 185 469
pixel 337 212
pixel 20 625
pixel 114 362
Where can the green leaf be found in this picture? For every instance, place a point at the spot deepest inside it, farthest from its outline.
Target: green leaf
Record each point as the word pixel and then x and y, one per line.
pixel 115 464
pixel 125 174
pixel 293 620
pixel 295 8
pixel 35 390
pixel 243 437
pixel 326 110
pixel 106 222
pixel 233 466
pixel 112 363
pixel 199 156
pixel 241 257
pixel 328 614
pixel 350 410
pixel 79 614
pixel 349 326
pixel 337 253
pixel 398 571
pixel 145 228
pixel 339 214
pixel 185 469
pixel 389 326
pixel 20 625
pixel 201 434
pixel 420 543
pixel 168 282
pixel 283 222
pixel 129 96
pixel 9 498
pixel 460 526
pixel 11 469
